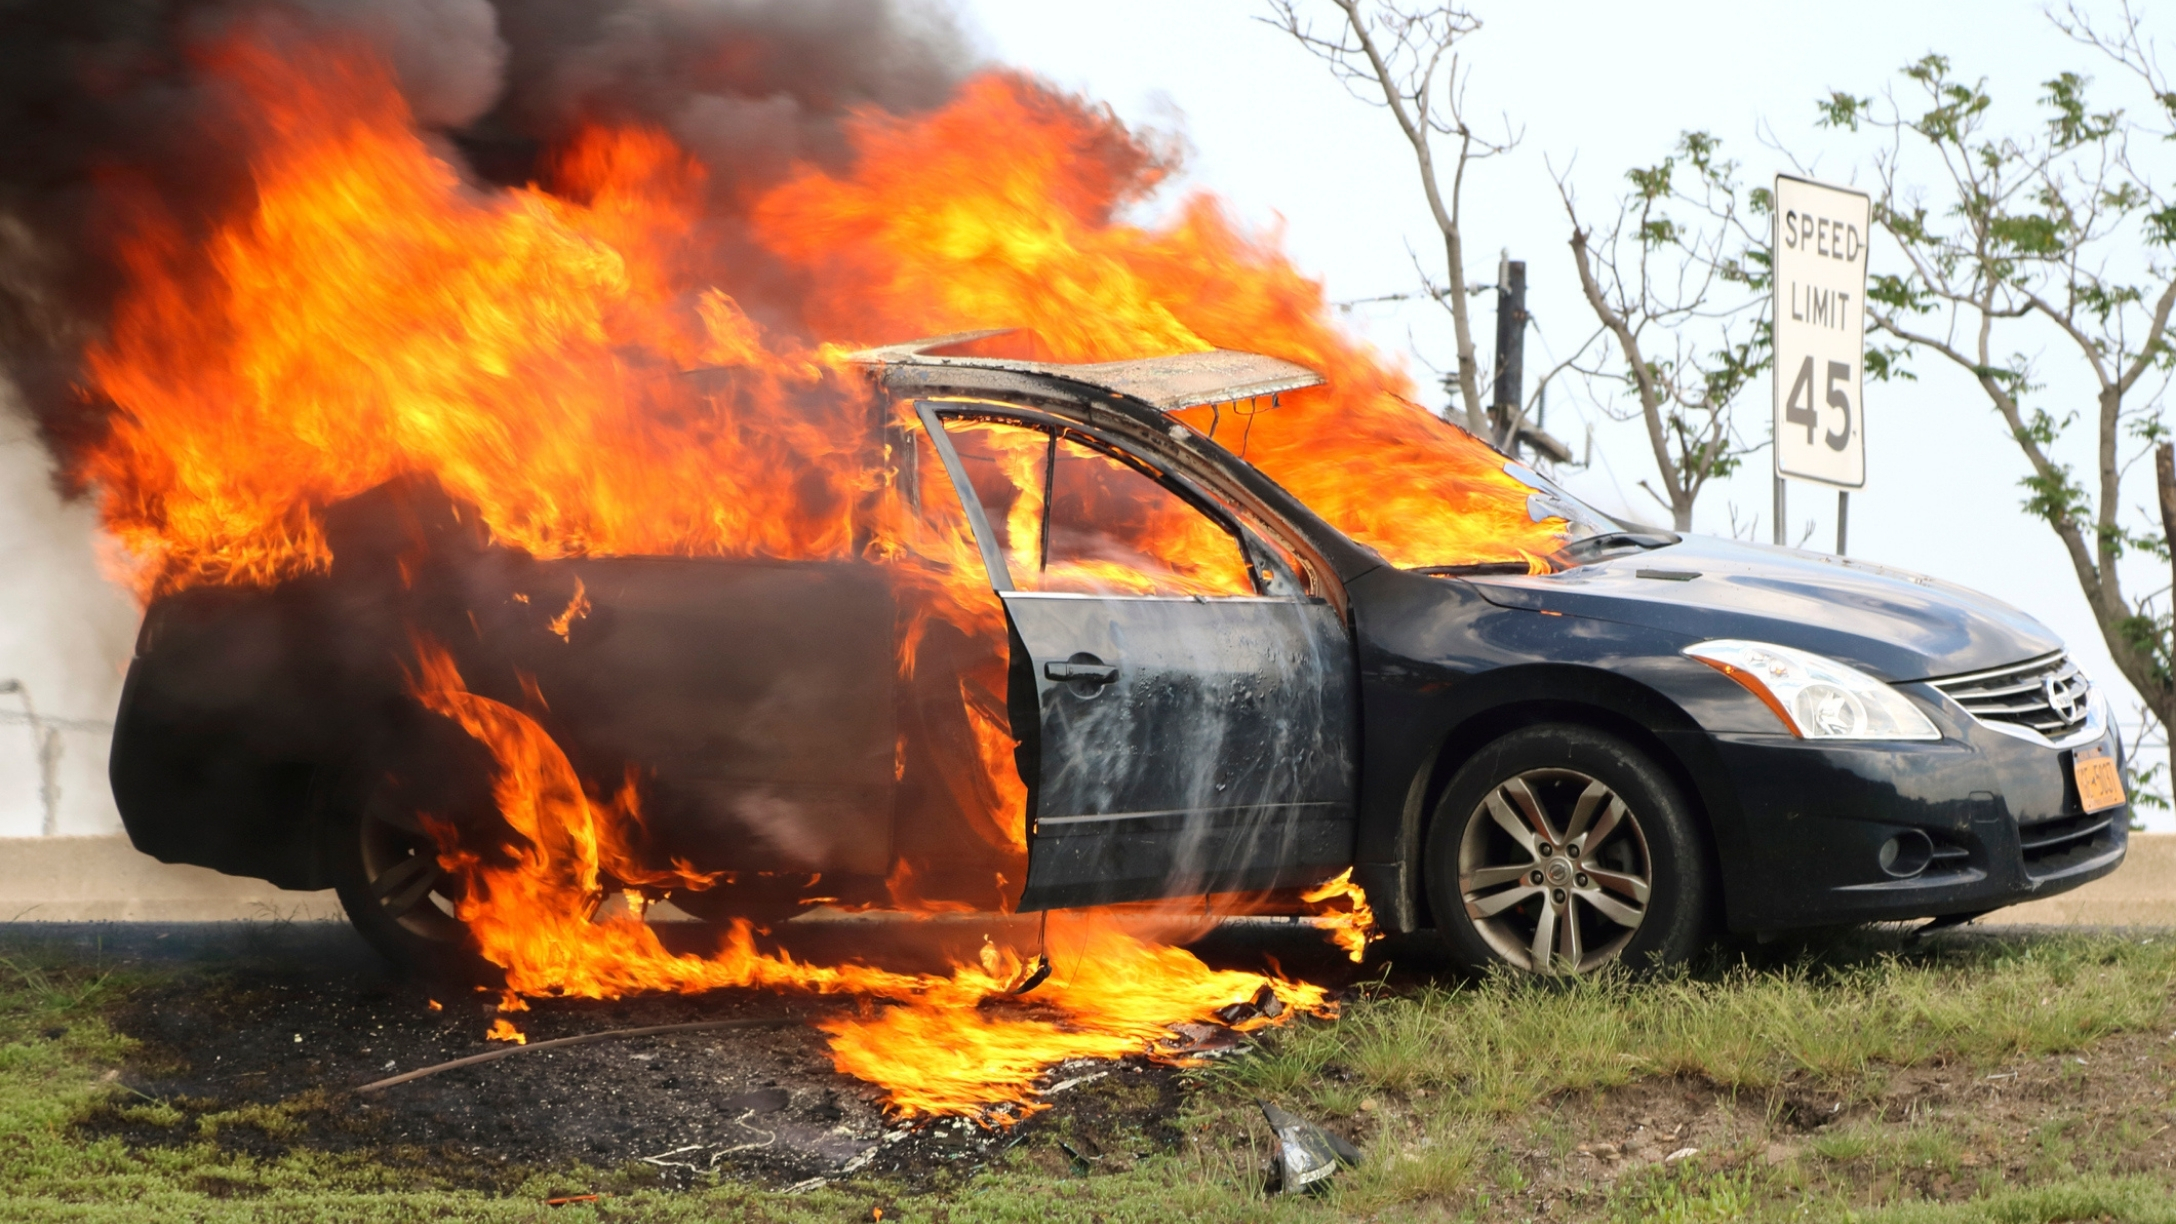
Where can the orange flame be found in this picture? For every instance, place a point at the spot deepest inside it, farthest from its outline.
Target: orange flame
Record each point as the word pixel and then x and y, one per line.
pixel 1352 927
pixel 946 1047
pixel 371 314
pixel 577 608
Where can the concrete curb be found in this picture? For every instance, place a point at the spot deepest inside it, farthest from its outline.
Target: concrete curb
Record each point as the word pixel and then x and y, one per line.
pixel 105 879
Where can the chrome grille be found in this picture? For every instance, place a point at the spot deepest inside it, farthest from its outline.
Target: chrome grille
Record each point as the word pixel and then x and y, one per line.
pixel 2048 695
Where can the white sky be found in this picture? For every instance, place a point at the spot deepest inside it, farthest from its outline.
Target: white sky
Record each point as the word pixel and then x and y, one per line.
pixel 1602 87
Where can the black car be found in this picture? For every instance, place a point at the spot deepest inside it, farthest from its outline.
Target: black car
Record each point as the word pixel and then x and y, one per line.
pixel 1212 690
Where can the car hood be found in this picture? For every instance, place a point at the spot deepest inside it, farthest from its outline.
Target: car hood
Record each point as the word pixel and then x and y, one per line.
pixel 1893 623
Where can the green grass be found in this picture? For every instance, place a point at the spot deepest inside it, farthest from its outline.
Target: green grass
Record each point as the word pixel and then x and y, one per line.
pixel 1461 1094
pixel 1502 1045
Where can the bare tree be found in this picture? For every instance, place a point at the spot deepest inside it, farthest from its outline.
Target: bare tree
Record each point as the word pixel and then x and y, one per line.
pixel 1680 285
pixel 2040 261
pixel 1403 57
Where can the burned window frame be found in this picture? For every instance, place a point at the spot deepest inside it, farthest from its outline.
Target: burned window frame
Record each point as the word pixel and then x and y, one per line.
pixel 1277 567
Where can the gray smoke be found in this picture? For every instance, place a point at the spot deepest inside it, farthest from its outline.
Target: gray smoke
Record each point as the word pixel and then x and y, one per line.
pixel 92 89
pixel 447 54
pixel 745 84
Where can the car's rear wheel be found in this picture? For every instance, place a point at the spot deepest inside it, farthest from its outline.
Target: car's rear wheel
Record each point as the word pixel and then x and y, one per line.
pixel 1561 849
pixel 386 871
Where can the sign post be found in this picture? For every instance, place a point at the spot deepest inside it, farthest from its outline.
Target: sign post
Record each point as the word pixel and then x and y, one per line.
pixel 1821 236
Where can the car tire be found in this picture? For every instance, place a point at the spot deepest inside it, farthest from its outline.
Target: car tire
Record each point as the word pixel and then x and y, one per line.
pixel 385 870
pixel 1560 821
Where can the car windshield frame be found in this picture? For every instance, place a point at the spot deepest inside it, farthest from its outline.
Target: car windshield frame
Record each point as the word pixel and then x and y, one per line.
pixel 1590 534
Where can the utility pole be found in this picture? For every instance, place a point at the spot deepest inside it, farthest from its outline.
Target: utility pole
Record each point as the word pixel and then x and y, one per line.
pixel 1510 432
pixel 1510 351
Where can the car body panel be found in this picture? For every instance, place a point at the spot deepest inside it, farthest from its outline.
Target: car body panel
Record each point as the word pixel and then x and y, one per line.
pixel 1891 623
pixel 1171 743
pixel 1218 759
pixel 674 669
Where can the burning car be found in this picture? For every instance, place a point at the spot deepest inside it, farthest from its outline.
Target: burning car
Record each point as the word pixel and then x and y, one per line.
pixel 1185 682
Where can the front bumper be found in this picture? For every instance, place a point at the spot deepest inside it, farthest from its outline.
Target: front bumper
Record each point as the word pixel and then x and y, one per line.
pixel 2001 814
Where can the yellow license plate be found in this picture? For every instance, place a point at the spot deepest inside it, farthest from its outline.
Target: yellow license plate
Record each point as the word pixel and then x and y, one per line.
pixel 2100 785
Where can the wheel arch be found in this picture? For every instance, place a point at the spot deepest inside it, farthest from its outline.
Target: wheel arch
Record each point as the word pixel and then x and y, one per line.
pixel 1590 697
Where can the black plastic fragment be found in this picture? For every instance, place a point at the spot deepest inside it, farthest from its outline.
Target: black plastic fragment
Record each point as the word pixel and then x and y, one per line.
pixel 1035 977
pixel 1264 1003
pixel 1306 1153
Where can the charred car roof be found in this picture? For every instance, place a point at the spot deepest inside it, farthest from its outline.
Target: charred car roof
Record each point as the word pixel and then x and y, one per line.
pixel 1167 384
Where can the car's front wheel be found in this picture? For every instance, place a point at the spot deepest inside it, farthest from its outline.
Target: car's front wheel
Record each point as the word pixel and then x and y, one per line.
pixel 1560 849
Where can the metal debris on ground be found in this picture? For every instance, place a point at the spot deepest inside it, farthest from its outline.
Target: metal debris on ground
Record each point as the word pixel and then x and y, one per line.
pixel 1306 1153
pixel 1189 1041
pixel 1081 1162
pixel 856 1164
pixel 665 1159
pixel 839 1145
pixel 1265 1003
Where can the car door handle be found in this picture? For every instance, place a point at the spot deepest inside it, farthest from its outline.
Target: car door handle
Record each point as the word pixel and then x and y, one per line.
pixel 1089 673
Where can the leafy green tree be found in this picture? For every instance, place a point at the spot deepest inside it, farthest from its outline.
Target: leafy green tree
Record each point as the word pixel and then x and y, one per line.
pixel 2038 264
pixel 1679 282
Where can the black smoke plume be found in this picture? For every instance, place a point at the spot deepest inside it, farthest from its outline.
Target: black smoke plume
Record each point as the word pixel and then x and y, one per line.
pixel 97 90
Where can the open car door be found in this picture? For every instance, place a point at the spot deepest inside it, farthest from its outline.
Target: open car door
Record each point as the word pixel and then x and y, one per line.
pixel 1185 708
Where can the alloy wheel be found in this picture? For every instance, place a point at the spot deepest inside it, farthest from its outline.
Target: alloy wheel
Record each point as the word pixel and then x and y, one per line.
pixel 402 872
pixel 1554 871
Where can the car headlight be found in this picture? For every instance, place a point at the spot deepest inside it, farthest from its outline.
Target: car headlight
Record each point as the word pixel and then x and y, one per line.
pixel 1817 698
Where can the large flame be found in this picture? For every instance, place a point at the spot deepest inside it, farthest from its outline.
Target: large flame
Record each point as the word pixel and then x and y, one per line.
pixel 370 312
pixel 944 1045
pixel 373 314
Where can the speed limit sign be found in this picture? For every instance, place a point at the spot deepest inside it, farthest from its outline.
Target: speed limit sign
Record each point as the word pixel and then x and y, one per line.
pixel 1820 332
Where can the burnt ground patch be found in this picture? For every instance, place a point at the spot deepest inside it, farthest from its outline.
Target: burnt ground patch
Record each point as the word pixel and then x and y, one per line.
pixel 254 1037
pixel 1982 1073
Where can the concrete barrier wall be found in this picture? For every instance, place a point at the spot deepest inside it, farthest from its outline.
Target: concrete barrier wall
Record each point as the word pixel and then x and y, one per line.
pixel 104 879
pixel 66 633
